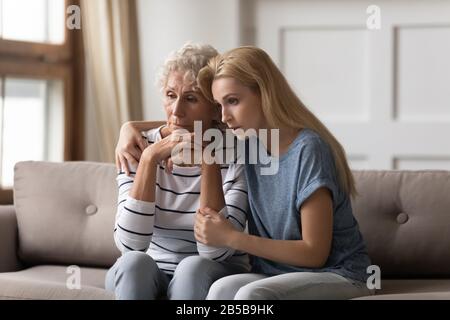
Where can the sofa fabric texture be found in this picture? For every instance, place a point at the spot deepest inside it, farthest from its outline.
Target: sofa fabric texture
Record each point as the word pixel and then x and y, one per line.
pixel 65 213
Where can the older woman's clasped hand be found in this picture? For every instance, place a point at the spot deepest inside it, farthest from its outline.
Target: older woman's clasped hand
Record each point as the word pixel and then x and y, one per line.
pixel 132 147
pixel 170 149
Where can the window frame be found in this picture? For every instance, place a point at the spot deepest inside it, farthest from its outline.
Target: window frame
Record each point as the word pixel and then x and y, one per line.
pixel 49 62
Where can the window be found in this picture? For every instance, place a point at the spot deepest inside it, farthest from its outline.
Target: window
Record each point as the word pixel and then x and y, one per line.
pixel 34 21
pixel 40 83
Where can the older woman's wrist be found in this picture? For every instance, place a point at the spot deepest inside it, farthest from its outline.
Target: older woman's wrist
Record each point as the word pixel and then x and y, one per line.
pixel 150 156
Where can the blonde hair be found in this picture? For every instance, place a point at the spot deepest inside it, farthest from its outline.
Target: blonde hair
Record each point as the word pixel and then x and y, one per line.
pixel 190 58
pixel 280 105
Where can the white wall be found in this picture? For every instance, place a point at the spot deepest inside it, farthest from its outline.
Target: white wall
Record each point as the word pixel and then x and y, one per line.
pixel 383 93
pixel 381 119
pixel 165 25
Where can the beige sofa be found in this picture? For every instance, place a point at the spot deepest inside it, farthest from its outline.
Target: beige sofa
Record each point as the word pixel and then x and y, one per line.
pixel 63 215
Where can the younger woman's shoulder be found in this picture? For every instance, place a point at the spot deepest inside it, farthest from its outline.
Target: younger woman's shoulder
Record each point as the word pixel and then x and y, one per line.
pixel 311 142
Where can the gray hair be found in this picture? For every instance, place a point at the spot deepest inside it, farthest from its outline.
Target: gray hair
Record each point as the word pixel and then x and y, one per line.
pixel 188 59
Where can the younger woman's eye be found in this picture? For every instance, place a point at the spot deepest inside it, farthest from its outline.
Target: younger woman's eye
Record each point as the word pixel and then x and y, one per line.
pixel 233 101
pixel 191 98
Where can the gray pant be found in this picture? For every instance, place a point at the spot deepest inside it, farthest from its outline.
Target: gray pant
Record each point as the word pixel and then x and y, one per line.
pixel 288 286
pixel 136 276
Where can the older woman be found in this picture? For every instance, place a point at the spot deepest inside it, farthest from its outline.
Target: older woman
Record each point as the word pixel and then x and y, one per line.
pixel 154 226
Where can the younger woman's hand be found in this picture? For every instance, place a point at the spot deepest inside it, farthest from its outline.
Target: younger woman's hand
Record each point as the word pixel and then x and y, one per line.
pixel 211 228
pixel 129 147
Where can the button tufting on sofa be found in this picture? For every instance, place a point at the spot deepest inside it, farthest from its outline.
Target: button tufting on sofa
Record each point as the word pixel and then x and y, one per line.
pixel 91 209
pixel 402 218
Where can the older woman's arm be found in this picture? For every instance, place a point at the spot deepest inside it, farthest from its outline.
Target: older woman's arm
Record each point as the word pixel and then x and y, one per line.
pixel 136 204
pixel 135 216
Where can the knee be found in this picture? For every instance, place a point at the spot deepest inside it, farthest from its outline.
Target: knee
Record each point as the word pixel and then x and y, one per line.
pixel 255 292
pixel 137 263
pixel 220 290
pixel 192 266
pixel 191 279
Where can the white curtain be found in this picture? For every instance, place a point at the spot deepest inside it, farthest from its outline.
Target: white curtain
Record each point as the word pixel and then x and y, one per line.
pixel 112 68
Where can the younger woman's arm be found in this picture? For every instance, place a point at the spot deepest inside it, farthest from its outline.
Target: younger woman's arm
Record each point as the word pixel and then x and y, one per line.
pixel 131 143
pixel 211 194
pixel 144 125
pixel 312 251
pixel 231 206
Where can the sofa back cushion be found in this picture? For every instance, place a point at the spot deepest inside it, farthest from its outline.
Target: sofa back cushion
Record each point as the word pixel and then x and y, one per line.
pixel 65 212
pixel 404 217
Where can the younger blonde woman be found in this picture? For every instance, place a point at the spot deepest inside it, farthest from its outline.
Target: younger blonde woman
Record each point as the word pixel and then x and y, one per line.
pixel 303 237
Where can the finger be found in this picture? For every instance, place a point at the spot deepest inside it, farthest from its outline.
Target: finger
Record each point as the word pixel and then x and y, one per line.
pixel 133 162
pixel 191 136
pixel 143 143
pixel 167 166
pixel 198 237
pixel 124 164
pixel 209 211
pixel 202 220
pixel 117 162
pixel 166 169
pixel 130 161
pixel 170 164
pixel 135 152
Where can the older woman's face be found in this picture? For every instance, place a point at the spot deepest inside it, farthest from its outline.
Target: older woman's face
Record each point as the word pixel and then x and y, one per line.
pixel 183 105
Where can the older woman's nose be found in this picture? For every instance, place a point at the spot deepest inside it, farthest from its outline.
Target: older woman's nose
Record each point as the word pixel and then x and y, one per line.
pixel 178 109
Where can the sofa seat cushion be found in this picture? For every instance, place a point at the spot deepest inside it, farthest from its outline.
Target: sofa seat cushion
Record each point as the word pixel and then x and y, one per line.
pixel 410 296
pixel 48 282
pixel 412 289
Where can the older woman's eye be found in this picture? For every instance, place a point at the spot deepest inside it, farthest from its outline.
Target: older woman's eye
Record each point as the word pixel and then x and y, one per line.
pixel 170 95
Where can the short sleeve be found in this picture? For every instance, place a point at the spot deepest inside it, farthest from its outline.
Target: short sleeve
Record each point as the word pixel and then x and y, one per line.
pixel 316 170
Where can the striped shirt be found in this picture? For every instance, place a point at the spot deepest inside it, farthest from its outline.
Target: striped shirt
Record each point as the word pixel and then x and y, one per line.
pixel 164 229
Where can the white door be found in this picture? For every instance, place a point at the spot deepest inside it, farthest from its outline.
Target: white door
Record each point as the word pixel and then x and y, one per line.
pixel 384 93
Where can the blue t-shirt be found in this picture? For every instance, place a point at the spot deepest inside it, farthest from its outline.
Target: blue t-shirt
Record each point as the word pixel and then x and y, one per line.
pixel 275 202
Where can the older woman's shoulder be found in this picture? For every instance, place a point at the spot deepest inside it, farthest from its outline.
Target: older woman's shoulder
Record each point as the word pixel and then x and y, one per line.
pixel 152 135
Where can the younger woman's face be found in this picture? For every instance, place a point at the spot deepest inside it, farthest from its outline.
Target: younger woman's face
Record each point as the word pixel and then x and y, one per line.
pixel 241 106
pixel 184 105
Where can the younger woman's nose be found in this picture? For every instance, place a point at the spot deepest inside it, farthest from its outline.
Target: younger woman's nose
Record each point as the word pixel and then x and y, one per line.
pixel 225 116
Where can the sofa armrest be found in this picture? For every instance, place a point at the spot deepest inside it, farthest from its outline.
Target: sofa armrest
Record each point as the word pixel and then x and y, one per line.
pixel 8 239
